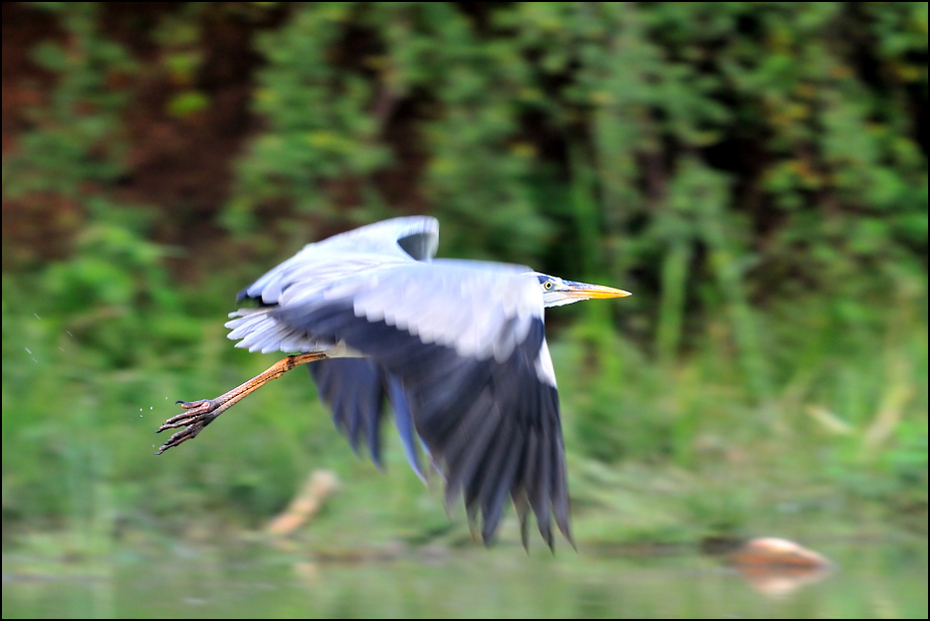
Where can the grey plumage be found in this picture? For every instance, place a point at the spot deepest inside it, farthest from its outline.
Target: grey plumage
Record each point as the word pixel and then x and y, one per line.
pixel 457 347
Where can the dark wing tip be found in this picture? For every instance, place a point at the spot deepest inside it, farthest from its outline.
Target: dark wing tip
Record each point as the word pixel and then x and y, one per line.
pixel 498 438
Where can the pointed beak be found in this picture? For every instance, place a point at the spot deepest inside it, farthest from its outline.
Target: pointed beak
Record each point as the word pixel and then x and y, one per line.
pixel 584 291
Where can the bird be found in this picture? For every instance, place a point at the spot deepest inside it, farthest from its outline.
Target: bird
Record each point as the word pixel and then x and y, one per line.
pixel 457 347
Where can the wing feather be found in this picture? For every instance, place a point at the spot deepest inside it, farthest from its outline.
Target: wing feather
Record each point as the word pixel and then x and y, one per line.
pixel 459 347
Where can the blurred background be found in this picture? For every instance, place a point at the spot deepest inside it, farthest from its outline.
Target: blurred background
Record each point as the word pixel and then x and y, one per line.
pixel 755 173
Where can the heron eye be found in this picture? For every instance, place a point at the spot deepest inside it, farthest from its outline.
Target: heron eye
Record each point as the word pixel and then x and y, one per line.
pixel 548 285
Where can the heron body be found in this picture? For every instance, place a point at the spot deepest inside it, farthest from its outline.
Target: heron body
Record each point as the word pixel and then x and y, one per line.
pixel 457 347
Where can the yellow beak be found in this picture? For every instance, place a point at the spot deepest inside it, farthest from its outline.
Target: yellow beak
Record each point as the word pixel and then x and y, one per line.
pixel 585 291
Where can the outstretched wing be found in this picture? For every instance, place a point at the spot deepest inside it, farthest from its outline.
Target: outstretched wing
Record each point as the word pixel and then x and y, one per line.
pixel 398 240
pixel 466 342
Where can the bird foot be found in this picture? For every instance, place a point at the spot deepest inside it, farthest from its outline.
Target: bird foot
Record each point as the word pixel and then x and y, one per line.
pixel 199 414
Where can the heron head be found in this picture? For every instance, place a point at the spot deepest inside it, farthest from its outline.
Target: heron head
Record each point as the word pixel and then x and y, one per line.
pixel 558 292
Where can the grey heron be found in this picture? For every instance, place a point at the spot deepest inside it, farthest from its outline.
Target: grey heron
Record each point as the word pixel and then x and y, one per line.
pixel 457 347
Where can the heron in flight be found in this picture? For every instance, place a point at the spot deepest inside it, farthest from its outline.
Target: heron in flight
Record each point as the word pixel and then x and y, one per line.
pixel 457 347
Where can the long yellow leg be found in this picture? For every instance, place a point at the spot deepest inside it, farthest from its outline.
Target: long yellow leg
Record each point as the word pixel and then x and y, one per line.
pixel 201 413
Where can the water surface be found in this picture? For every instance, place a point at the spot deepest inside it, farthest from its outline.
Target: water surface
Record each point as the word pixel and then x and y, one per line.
pixel 262 580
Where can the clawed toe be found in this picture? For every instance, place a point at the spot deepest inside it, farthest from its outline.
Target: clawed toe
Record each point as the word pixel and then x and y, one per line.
pixel 199 414
pixel 195 411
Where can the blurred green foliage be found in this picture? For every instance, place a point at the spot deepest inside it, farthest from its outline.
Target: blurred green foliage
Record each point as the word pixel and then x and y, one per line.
pixel 77 136
pixel 756 173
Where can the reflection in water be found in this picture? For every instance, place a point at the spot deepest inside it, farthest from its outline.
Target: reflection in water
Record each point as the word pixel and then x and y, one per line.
pixel 781 582
pixel 173 580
